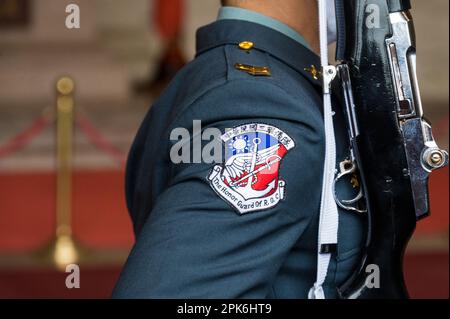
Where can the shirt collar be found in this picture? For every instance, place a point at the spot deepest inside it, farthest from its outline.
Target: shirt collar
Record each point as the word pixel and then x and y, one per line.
pixel 234 13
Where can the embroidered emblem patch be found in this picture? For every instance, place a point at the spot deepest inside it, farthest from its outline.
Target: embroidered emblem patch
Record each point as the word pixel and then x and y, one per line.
pixel 250 179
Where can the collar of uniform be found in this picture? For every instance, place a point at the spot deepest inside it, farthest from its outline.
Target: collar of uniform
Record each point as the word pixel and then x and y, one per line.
pixel 266 39
pixel 235 13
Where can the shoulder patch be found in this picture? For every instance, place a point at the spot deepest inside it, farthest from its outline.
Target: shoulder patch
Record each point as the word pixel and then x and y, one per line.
pixel 249 180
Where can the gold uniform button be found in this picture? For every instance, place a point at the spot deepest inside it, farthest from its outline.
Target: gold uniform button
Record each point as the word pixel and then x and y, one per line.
pixel 246 45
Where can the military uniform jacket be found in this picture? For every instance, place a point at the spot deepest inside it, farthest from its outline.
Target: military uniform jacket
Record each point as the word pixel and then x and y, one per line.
pixel 246 227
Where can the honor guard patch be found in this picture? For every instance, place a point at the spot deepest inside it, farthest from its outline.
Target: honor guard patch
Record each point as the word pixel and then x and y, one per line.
pixel 250 178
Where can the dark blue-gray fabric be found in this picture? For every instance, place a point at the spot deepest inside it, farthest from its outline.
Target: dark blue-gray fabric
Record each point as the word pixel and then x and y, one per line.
pixel 190 243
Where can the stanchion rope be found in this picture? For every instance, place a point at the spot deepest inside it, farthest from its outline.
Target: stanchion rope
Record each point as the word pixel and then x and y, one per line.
pixel 37 126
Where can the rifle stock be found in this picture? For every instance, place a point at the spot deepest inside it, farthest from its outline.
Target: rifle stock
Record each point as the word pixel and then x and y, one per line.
pixel 395 148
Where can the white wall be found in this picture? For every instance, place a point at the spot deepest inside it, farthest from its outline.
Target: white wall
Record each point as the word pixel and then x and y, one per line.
pixel 200 12
pixel 48 24
pixel 432 30
pixel 125 27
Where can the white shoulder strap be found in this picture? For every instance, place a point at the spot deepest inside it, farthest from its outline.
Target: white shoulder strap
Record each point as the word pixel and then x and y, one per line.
pixel 329 218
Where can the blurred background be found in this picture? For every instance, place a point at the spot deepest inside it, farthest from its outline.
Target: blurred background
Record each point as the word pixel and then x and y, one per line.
pixel 119 59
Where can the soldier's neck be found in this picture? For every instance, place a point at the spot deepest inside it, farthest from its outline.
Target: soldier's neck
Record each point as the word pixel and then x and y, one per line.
pixel 302 16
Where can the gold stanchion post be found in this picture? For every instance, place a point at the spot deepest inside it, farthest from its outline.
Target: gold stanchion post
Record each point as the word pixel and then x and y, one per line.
pixel 65 249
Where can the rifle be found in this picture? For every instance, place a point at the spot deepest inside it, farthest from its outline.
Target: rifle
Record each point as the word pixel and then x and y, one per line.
pixel 392 145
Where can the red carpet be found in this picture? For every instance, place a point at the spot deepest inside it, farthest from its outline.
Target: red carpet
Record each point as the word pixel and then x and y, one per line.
pixel 27 210
pixel 100 220
pixel 427 277
pixel 439 202
pixel 94 283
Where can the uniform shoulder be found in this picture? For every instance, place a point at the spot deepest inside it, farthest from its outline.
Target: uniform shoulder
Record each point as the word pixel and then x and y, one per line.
pixel 245 62
pixel 224 63
pixel 238 81
pixel 242 99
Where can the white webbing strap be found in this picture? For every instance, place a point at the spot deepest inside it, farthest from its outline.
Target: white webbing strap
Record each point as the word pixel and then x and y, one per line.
pixel 329 217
